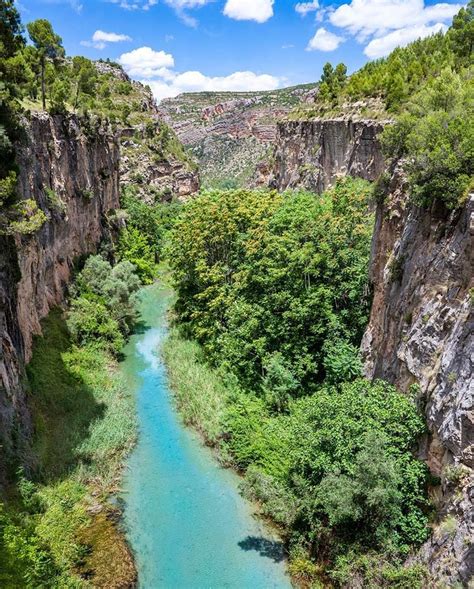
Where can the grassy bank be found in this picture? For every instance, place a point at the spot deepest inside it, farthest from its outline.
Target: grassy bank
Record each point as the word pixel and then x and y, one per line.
pixel 264 446
pixel 200 393
pixel 60 530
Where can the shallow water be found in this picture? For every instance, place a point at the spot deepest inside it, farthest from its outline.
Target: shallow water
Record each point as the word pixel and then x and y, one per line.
pixel 187 524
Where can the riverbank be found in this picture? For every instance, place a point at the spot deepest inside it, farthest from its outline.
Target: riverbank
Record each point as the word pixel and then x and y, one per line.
pixel 186 522
pixel 61 529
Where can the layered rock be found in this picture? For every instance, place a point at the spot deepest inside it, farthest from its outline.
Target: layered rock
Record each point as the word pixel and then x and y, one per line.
pixel 312 154
pixel 229 133
pixel 71 169
pixel 421 333
pixel 155 171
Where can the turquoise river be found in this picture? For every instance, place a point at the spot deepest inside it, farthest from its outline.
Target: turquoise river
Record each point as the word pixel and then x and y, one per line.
pixel 186 523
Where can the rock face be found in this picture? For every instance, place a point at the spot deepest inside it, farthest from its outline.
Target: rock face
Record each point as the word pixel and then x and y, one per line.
pixel 157 173
pixel 71 169
pixel 311 154
pixel 230 132
pixel 421 331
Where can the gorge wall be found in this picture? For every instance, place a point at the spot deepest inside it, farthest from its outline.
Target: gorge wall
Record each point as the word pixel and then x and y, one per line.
pixel 70 168
pixel 421 333
pixel 311 154
pixel 228 133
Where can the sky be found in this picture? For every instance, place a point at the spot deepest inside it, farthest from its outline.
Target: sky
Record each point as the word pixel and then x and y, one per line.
pixel 193 45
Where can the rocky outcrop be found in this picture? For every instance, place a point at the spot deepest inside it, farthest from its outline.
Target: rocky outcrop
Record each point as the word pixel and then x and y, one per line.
pixel 149 164
pixel 70 167
pixel 312 154
pixel 421 332
pixel 230 132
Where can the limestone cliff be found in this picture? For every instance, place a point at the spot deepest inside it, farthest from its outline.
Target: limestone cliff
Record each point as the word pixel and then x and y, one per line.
pixel 154 162
pixel 228 133
pixel 421 332
pixel 70 167
pixel 311 154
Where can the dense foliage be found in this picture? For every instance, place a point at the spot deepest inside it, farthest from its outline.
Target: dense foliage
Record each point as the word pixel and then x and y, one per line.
pixel 428 88
pixel 274 289
pixel 266 281
pixel 84 426
pixel 103 305
pixel 147 225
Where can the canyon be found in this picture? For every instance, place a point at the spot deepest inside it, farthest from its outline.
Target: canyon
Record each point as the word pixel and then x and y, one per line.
pixel 229 132
pixel 421 324
pixel 70 168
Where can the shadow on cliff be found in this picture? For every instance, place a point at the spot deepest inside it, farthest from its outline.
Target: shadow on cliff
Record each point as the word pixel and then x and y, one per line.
pixel 62 404
pixel 265 547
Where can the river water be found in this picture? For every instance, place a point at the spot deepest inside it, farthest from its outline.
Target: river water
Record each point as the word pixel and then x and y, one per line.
pixel 186 523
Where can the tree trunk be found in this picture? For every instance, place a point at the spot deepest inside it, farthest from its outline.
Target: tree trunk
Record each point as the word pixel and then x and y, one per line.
pixel 43 86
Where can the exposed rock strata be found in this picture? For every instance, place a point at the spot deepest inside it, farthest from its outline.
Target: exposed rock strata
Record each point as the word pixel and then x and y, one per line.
pixel 71 169
pixel 312 154
pixel 155 175
pixel 421 332
pixel 230 132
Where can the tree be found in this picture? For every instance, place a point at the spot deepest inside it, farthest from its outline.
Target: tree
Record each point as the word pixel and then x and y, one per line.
pixel 48 46
pixel 11 39
pixel 86 77
pixel 332 81
pixel 461 34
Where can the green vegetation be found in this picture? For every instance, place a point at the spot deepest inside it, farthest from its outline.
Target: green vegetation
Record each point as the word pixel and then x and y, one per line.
pixel 428 88
pixel 436 136
pixel 84 427
pixel 103 308
pixel 50 533
pixel 265 279
pixel 272 292
pixel 48 45
pixel 142 241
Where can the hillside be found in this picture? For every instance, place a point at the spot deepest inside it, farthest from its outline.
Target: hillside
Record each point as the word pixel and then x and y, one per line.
pixel 230 132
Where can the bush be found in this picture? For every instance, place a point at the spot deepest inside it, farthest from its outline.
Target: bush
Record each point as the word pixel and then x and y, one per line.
pixel 261 277
pixel 436 135
pixel 103 308
pixel 353 459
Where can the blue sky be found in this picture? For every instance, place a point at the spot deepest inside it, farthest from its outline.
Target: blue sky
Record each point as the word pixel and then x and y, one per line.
pixel 187 45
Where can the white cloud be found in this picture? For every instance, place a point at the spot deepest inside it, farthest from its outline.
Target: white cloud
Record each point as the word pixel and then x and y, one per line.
pixel 257 10
pixel 135 4
pixel 324 40
pixel 100 39
pixel 155 69
pixel 365 18
pixel 194 81
pixel 187 3
pixel 144 62
pixel 381 46
pixel 304 7
pixel 180 6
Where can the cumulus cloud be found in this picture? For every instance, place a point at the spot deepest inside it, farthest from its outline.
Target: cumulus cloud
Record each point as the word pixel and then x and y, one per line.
pixel 144 62
pixel 381 46
pixel 155 69
pixel 324 40
pixel 194 81
pixel 304 7
pixel 100 39
pixel 365 18
pixel 381 25
pixel 257 10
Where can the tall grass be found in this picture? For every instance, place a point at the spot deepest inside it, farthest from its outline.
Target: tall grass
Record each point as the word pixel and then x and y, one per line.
pixel 59 531
pixel 200 393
